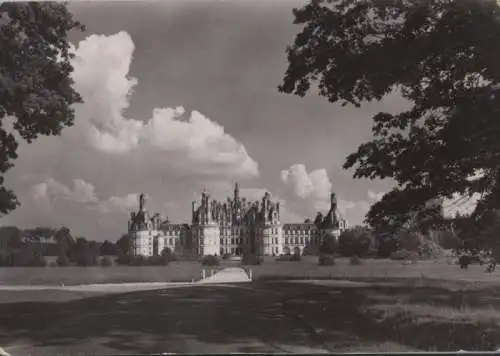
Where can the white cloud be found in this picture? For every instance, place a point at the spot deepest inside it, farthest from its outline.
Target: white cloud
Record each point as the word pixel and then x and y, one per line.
pixel 311 193
pixel 50 191
pixel 303 184
pixel 122 205
pixel 101 74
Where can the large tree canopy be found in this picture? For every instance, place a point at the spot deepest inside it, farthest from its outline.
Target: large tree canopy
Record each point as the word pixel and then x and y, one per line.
pixel 35 84
pixel 441 55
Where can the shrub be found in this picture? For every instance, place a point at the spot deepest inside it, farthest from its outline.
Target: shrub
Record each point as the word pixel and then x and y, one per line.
pixel 40 261
pixel 157 261
pixel 448 240
pixel 62 260
pixel 226 256
pixel 400 255
pixel 137 261
pixel 326 260
pixel 210 260
pixel 465 260
pixel 387 244
pixel 355 261
pixel 106 261
pixel 405 255
pixel 252 260
pixel 168 255
pixel 294 257
pixel 355 241
pixel 328 245
pixel 124 259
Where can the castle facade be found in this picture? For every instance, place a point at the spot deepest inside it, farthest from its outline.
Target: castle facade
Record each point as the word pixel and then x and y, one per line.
pixel 237 226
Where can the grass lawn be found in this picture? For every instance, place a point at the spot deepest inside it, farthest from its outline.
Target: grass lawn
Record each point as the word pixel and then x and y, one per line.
pixel 431 305
pixel 394 317
pixel 269 316
pixel 370 269
pixel 384 306
pixel 174 272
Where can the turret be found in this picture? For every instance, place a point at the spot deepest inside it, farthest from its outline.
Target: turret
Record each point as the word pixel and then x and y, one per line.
pixel 236 191
pixel 333 202
pixel 142 202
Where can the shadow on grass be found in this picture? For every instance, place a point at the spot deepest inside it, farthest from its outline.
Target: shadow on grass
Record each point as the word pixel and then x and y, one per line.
pixel 270 315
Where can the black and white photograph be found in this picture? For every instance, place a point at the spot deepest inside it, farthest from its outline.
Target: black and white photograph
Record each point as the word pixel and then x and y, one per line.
pixel 249 176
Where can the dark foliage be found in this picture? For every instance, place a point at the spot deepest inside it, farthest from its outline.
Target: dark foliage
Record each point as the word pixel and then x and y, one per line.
pixel 252 260
pixel 292 258
pixel 439 55
pixel 355 261
pixel 326 260
pixel 108 249
pixel 23 257
pixel 124 259
pixel 387 244
pixel 210 261
pixel 36 84
pixel 328 245
pixel 62 260
pixel 168 255
pixel 355 241
pixel 106 261
pixel 123 244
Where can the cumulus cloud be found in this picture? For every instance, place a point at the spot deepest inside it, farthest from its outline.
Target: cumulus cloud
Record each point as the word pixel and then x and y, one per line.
pixel 101 75
pixel 303 184
pixel 50 191
pixel 310 193
pixel 122 205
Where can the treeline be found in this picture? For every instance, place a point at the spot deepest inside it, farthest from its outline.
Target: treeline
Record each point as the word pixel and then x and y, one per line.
pixel 30 247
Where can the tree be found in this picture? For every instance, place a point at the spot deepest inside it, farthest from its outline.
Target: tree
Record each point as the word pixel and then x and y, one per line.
pixel 62 260
pixel 107 248
pixel 35 82
pixel 123 244
pixel 440 55
pixel 318 221
pixel 355 241
pixel 64 240
pixel 12 237
pixel 328 245
pixel 84 253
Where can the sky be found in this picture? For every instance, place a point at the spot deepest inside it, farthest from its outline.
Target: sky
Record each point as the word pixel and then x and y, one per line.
pixel 180 96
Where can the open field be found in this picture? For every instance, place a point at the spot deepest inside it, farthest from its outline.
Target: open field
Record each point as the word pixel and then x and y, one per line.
pixel 176 271
pixel 308 268
pixel 276 316
pixel 378 269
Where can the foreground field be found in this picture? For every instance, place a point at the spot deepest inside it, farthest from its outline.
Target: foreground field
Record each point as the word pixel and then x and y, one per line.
pixel 295 316
pixel 178 271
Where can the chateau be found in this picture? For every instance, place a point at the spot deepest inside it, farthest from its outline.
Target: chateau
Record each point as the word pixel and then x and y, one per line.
pixel 237 226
